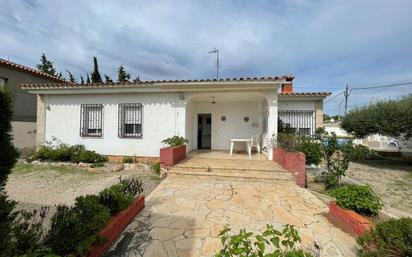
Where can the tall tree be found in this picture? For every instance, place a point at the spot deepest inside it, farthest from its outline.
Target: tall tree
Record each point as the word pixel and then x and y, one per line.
pixel 136 80
pixel 108 79
pixel 123 76
pixel 81 80
pixel 71 78
pixel 46 66
pixel 96 78
pixel 8 156
pixel 390 118
pixel 87 79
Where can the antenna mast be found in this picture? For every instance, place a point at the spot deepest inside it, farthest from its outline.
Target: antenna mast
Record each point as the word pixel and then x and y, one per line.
pixel 216 51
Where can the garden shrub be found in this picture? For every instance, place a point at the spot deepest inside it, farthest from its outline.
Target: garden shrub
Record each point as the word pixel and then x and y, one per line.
pixel 65 153
pixel 127 160
pixel 270 243
pixel 74 229
pixel 114 199
pixel 175 141
pixel 389 238
pixel 131 186
pixel 156 168
pixel 312 150
pixel 8 157
pixel 288 141
pixel 97 165
pixel 356 153
pixel 359 198
pixel 28 231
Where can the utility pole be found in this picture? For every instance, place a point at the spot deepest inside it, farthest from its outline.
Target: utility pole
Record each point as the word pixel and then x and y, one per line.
pixel 216 51
pixel 347 93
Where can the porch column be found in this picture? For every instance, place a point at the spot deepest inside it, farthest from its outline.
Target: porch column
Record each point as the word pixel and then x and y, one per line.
pixel 180 115
pixel 272 100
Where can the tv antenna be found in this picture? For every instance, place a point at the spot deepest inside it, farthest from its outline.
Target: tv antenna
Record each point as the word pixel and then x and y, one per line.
pixel 216 51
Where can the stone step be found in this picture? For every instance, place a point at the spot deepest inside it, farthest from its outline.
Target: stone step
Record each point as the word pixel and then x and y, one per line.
pixel 260 175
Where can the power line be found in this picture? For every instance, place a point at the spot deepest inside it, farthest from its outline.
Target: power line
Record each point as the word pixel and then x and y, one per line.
pixel 381 86
pixel 334 97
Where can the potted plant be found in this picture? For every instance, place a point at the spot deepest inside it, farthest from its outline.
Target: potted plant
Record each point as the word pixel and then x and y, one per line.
pixel 174 152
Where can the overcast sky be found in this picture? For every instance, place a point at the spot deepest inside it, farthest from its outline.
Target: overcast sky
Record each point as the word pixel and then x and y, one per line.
pixel 324 44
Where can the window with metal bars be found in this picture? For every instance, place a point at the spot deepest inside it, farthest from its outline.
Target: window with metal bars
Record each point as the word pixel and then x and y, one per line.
pixel 303 121
pixel 91 120
pixel 130 120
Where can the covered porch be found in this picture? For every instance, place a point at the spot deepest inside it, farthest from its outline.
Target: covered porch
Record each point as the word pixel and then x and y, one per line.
pixel 213 119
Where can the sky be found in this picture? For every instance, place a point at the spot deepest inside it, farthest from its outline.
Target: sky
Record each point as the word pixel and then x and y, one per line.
pixel 323 44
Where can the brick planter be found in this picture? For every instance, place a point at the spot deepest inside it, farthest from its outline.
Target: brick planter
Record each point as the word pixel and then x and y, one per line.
pixel 116 225
pixel 169 156
pixel 352 220
pixel 293 162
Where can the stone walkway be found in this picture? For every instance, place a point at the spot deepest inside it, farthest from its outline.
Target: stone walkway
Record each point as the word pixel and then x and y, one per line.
pixel 185 213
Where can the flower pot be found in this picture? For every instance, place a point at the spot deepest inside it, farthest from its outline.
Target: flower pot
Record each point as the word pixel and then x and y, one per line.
pixel 170 156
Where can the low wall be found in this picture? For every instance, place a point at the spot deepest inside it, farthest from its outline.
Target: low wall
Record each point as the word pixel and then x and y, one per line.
pixel 140 159
pixel 116 225
pixel 352 220
pixel 169 156
pixel 293 162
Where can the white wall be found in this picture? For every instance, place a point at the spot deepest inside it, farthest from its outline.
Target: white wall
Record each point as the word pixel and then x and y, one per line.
pixel 163 116
pixel 296 105
pixel 234 126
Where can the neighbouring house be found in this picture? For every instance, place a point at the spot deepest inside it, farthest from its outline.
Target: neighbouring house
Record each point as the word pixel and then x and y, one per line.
pixel 131 119
pixel 24 104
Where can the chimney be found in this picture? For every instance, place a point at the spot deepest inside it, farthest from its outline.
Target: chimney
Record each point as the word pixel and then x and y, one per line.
pixel 287 88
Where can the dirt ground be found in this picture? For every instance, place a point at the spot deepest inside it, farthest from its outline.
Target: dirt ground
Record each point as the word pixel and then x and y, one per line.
pixel 391 179
pixel 34 186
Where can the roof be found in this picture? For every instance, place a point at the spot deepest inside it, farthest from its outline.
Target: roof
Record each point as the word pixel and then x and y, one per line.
pixel 67 85
pixel 22 68
pixel 303 94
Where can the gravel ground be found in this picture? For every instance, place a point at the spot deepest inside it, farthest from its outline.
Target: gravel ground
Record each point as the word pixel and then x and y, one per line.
pixel 34 186
pixel 390 179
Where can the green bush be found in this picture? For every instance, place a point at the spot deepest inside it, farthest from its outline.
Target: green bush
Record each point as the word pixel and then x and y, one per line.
pixel 356 153
pixel 287 141
pixel 28 231
pixel 74 229
pixel 270 243
pixel 175 141
pixel 359 198
pixel 156 168
pixel 97 165
pixel 65 153
pixel 389 238
pixel 114 199
pixel 312 150
pixel 127 160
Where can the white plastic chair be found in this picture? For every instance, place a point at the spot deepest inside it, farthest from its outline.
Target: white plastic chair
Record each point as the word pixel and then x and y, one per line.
pixel 255 142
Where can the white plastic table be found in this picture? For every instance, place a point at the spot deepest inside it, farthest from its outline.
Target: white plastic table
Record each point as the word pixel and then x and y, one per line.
pixel 244 140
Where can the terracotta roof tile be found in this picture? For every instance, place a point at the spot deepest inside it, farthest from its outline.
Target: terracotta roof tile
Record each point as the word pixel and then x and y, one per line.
pixel 306 94
pixel 152 82
pixel 22 68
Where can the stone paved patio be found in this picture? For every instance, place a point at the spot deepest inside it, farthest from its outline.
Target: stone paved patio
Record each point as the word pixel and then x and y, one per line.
pixel 185 213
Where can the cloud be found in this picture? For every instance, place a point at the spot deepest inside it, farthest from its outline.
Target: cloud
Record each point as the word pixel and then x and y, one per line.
pixel 324 44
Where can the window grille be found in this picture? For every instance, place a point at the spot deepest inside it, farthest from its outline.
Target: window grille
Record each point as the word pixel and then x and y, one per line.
pixel 91 120
pixel 130 120
pixel 303 121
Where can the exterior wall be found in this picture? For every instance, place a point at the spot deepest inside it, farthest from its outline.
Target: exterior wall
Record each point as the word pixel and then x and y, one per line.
pixel 163 116
pixel 24 134
pixel 319 113
pixel 24 108
pixel 234 126
pixel 40 120
pixel 296 105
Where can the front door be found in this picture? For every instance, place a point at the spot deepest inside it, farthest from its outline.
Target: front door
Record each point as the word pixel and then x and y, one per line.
pixel 204 131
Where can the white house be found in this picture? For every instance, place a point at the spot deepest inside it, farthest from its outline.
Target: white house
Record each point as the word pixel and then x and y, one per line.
pixel 126 119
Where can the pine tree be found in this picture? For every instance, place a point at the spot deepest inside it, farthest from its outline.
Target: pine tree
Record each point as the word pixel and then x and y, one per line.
pixel 87 79
pixel 96 78
pixel 8 157
pixel 123 76
pixel 46 66
pixel 81 80
pixel 71 78
pixel 108 79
